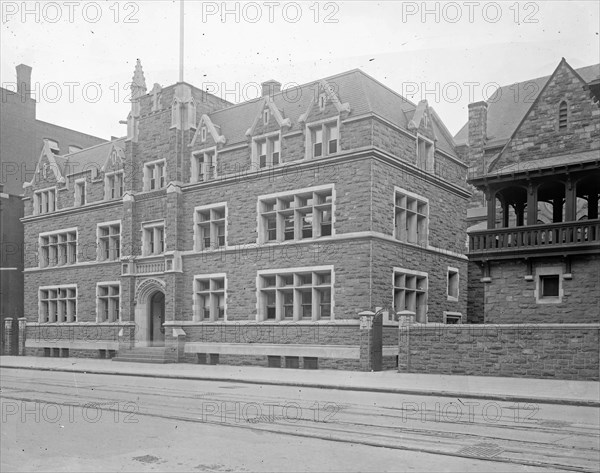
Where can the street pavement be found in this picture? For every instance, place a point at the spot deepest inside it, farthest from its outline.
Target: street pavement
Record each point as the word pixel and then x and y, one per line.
pixel 578 393
pixel 79 421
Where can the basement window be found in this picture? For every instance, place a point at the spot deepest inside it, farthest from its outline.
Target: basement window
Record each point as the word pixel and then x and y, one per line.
pixel 549 286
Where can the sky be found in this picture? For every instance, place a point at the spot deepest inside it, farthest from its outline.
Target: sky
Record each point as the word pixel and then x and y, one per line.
pixel 450 53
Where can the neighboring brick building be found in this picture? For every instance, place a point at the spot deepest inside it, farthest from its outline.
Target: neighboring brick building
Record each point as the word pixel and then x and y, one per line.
pixel 540 253
pixel 22 135
pixel 251 233
pixel 22 138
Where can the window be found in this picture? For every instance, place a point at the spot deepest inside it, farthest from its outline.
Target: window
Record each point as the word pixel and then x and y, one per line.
pixel 203 134
pixel 324 139
pixel 58 304
pixel 266 116
pixel 322 101
pixel 153 239
pixel 154 175
pixel 54 148
pixel 44 201
pixel 296 216
pixel 453 284
pixel 58 248
pixel 563 116
pixel 109 241
pixel 209 231
pixel 303 294
pixel 209 298
pixel 109 300
pixel 452 318
pixel 549 285
pixel 74 149
pixel 411 215
pixel 425 154
pixel 204 165
pixel 267 151
pixel 79 192
pixel 410 292
pixel 113 185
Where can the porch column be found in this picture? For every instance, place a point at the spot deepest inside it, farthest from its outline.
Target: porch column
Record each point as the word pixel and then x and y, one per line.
pixel 520 211
pixel 531 205
pixel 491 209
pixel 504 213
pixel 557 204
pixel 570 202
pixel 593 205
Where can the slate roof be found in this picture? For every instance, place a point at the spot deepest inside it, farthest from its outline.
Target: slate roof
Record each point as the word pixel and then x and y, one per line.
pixel 89 158
pixel 505 111
pixel 363 93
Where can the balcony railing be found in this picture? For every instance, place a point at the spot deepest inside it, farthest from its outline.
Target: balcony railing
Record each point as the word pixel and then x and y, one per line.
pixel 150 267
pixel 582 234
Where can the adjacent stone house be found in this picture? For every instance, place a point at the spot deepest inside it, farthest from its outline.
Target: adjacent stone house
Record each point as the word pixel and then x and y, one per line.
pixel 252 233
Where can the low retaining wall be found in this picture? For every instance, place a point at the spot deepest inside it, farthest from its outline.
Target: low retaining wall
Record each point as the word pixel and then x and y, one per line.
pixel 562 351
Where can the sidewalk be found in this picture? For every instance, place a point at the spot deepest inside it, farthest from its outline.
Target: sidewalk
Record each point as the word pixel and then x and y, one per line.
pixel 550 391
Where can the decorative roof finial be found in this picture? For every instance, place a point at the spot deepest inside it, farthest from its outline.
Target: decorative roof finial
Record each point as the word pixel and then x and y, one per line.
pixel 138 77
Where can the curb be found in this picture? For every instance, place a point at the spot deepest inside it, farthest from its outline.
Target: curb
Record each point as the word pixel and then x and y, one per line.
pixel 420 392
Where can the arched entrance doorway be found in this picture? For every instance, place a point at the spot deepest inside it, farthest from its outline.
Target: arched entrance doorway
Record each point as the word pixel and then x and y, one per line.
pixel 156 319
pixel 150 313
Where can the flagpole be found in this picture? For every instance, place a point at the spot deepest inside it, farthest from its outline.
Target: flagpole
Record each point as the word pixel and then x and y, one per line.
pixel 181 24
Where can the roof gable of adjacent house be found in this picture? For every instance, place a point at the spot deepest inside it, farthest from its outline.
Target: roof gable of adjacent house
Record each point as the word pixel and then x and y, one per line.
pixel 509 104
pixel 563 120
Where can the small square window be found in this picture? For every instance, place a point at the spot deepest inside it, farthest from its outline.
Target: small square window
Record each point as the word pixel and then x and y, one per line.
pixel 550 285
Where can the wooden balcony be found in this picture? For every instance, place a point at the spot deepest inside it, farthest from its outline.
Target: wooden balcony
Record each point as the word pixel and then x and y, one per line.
pixel 577 237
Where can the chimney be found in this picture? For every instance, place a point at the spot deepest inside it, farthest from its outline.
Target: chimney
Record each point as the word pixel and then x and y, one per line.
pixel 24 80
pixel 477 137
pixel 270 88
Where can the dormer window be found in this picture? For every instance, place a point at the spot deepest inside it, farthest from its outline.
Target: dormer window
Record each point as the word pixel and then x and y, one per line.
pixel 204 165
pixel 266 116
pixel 563 116
pixel 44 201
pixel 267 151
pixel 113 185
pixel 324 139
pixel 203 134
pixel 79 192
pixel 425 154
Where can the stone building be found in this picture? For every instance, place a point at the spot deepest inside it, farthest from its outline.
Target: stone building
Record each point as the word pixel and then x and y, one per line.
pixel 22 137
pixel 540 246
pixel 252 233
pixel 534 269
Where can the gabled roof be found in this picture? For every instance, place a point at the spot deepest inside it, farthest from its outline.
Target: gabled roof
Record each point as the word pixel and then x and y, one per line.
pixel 212 129
pixel 94 158
pixel 505 113
pixel 363 93
pixel 56 165
pixel 267 102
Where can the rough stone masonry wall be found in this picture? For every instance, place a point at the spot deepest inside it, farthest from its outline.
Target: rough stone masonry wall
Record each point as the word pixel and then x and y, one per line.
pixel 524 351
pixel 475 295
pixel 539 136
pixel 509 298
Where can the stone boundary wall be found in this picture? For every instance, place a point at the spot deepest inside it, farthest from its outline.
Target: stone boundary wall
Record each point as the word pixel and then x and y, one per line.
pixel 561 351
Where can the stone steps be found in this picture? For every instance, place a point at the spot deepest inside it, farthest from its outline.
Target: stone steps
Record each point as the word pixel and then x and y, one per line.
pixel 144 355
